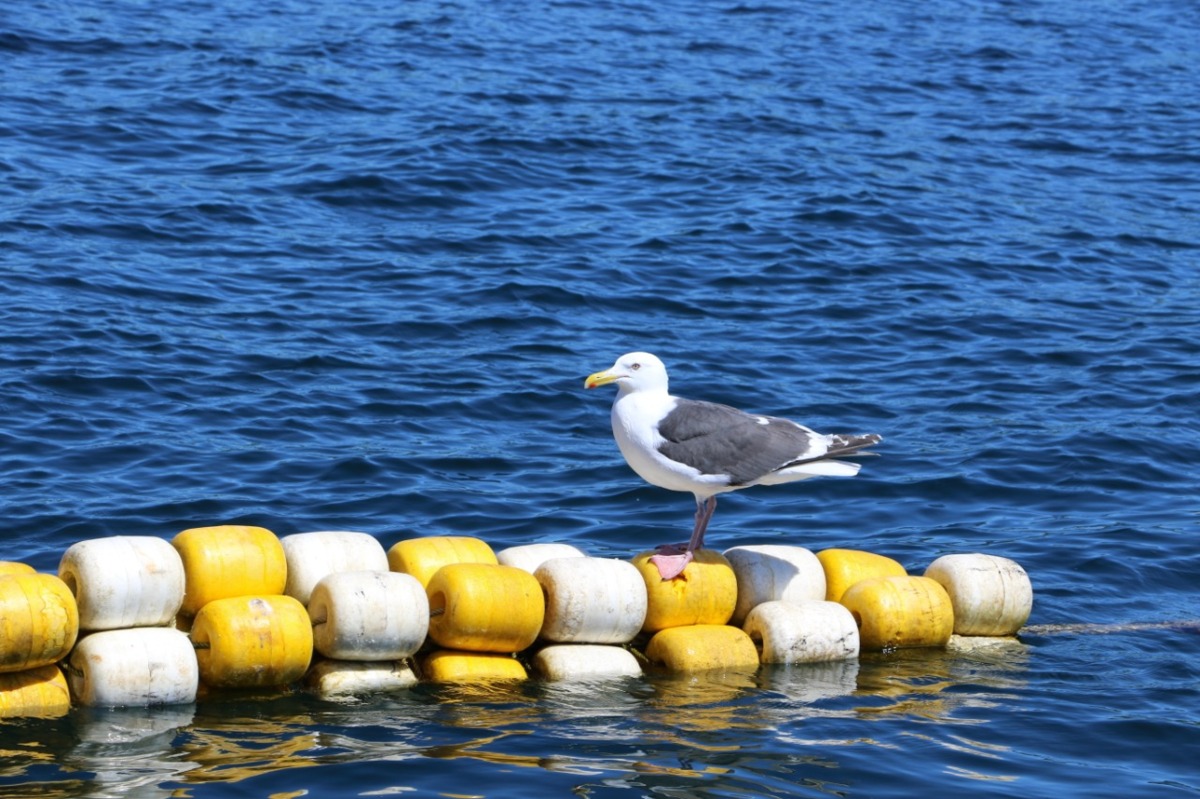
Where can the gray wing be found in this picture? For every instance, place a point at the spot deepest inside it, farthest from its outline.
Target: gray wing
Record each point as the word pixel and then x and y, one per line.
pixel 718 439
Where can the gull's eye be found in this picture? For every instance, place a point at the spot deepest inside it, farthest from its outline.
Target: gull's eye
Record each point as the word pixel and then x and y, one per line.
pixel 636 366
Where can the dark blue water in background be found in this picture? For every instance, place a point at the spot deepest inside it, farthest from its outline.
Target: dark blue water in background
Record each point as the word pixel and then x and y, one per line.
pixel 344 266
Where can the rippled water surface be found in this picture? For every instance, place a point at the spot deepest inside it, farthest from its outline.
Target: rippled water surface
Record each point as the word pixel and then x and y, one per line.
pixel 344 266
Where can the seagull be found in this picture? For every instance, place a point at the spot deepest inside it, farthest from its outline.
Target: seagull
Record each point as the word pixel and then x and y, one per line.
pixel 707 449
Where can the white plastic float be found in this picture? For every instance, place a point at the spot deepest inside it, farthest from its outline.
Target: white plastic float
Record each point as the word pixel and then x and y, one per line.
pixel 124 581
pixel 311 556
pixel 338 678
pixel 368 615
pixel 585 662
pixel 808 631
pixel 591 600
pixel 767 572
pixel 134 667
pixel 991 595
pixel 530 556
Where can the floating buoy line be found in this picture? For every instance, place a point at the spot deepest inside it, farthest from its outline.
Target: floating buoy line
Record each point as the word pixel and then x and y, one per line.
pixel 142 621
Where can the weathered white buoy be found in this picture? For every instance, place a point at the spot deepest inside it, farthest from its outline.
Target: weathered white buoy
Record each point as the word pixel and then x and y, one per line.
pixel 135 667
pixel 585 662
pixel 338 678
pixel 368 615
pixel 124 581
pixel 808 631
pixel 311 556
pixel 991 595
pixel 592 600
pixel 529 556
pixel 773 571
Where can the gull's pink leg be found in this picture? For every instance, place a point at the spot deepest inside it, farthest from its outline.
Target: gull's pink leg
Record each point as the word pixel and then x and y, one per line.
pixel 670 560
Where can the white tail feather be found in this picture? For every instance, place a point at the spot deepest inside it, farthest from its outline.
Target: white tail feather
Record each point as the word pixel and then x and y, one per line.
pixel 803 471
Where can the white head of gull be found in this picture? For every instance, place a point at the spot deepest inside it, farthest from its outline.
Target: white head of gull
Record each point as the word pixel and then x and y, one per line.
pixel 707 449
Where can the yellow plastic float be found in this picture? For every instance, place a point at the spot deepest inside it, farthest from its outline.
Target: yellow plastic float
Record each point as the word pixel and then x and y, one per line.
pixel 482 607
pixel 228 561
pixel 703 647
pixel 40 692
pixel 444 665
pixel 991 595
pixel 252 641
pixel 845 567
pixel 900 612
pixel 422 557
pixel 706 592
pixel 11 567
pixel 124 581
pixel 39 621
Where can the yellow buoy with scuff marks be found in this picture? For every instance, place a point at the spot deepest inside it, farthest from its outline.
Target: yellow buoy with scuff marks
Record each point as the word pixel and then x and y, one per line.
pixel 10 567
pixel 445 665
pixel 40 692
pixel 845 567
pixel 422 557
pixel 705 593
pixel 484 607
pixel 703 647
pixel 39 621
pixel 252 641
pixel 227 561
pixel 900 612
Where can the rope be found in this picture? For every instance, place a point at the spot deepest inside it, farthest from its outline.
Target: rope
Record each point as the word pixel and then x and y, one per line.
pixel 1104 629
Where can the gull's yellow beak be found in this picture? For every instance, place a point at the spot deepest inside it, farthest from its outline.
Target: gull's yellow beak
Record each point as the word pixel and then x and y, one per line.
pixel 601 379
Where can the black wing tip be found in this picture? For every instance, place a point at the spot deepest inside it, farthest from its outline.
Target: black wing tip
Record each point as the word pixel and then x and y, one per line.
pixel 844 445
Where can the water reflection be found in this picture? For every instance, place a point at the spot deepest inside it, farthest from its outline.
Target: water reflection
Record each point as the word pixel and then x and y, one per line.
pixel 659 733
pixel 811 683
pixel 915 683
pixel 128 749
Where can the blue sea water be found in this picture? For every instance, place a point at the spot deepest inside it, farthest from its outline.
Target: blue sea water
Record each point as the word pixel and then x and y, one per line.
pixel 326 265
